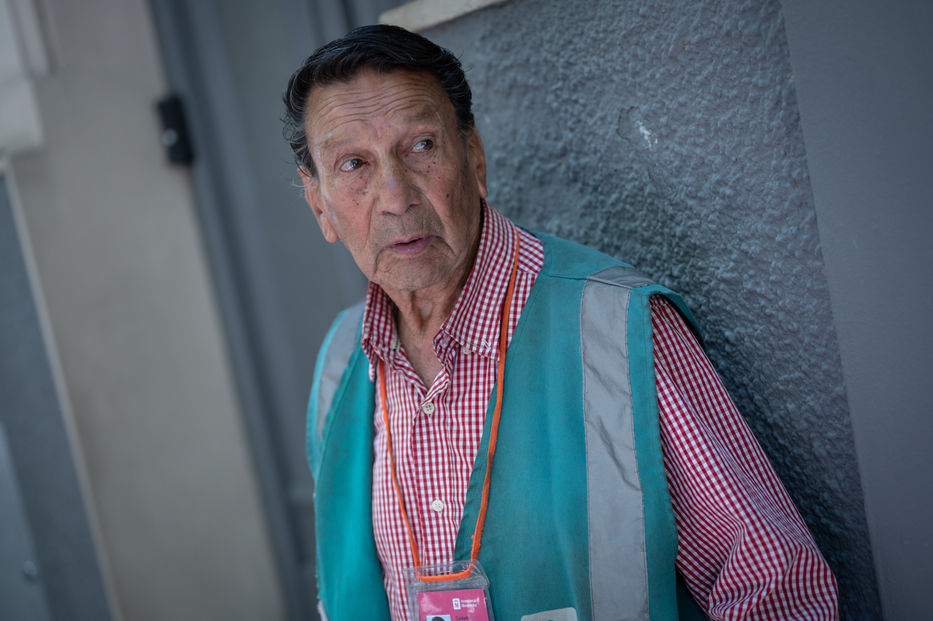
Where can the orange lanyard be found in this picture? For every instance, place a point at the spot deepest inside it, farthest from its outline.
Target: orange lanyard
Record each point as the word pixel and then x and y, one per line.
pixel 493 437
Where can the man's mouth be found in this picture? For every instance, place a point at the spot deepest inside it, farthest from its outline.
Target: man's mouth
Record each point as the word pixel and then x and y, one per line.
pixel 411 246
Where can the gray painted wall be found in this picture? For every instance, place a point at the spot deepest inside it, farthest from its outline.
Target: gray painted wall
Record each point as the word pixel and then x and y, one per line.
pixel 113 236
pixel 670 136
pixel 68 583
pixel 863 75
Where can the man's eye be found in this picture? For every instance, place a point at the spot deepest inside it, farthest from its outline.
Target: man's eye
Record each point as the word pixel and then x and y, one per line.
pixel 351 164
pixel 424 145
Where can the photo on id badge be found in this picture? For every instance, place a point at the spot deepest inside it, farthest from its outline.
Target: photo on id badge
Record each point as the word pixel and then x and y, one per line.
pixel 456 605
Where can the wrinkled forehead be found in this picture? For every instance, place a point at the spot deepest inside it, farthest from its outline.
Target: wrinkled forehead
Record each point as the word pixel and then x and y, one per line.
pixel 372 96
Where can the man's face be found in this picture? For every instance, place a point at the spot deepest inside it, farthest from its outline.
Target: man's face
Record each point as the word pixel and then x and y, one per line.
pixel 396 181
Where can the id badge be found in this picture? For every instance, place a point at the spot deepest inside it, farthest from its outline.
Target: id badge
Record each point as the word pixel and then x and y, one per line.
pixel 463 599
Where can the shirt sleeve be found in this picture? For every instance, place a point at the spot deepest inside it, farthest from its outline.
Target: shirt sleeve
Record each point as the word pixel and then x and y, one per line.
pixel 743 549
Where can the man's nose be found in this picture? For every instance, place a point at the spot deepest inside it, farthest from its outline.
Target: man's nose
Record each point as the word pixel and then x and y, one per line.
pixel 397 190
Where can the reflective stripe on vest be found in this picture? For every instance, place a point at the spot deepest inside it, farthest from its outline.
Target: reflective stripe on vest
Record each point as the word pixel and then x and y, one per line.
pixel 615 516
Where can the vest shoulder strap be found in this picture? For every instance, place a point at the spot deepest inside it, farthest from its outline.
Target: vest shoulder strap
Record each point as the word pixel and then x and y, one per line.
pixel 341 340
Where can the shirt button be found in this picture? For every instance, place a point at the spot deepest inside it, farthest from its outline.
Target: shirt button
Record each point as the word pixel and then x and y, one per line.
pixel 437 505
pixel 427 407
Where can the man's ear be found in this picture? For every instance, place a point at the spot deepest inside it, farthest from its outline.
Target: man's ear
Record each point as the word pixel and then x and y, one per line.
pixel 477 160
pixel 316 203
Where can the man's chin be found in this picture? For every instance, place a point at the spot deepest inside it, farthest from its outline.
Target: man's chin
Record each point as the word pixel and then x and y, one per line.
pixel 413 280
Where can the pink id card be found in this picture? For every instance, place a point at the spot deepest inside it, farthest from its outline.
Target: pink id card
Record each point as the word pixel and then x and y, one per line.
pixel 454 605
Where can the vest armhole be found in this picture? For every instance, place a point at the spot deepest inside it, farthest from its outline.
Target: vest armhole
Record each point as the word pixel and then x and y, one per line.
pixel 661 540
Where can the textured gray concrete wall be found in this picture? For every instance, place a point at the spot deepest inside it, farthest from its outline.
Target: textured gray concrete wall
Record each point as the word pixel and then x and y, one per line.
pixel 670 136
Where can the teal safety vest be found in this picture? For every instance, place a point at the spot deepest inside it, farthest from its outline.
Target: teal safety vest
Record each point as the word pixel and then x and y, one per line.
pixel 579 523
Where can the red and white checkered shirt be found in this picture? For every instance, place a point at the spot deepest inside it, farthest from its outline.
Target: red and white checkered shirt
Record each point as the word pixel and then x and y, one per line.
pixel 743 549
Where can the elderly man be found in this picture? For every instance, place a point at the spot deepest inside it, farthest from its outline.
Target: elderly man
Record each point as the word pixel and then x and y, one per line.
pixel 511 425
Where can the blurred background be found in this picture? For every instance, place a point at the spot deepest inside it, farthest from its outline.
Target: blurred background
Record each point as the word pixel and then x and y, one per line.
pixel 164 288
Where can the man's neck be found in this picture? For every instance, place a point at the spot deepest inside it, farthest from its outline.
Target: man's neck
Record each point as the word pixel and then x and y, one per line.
pixel 419 317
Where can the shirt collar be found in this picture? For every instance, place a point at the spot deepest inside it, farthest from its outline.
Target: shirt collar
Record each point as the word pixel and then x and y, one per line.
pixel 474 321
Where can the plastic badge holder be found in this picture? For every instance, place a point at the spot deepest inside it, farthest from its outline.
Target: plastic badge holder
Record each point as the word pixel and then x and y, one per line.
pixel 462 599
